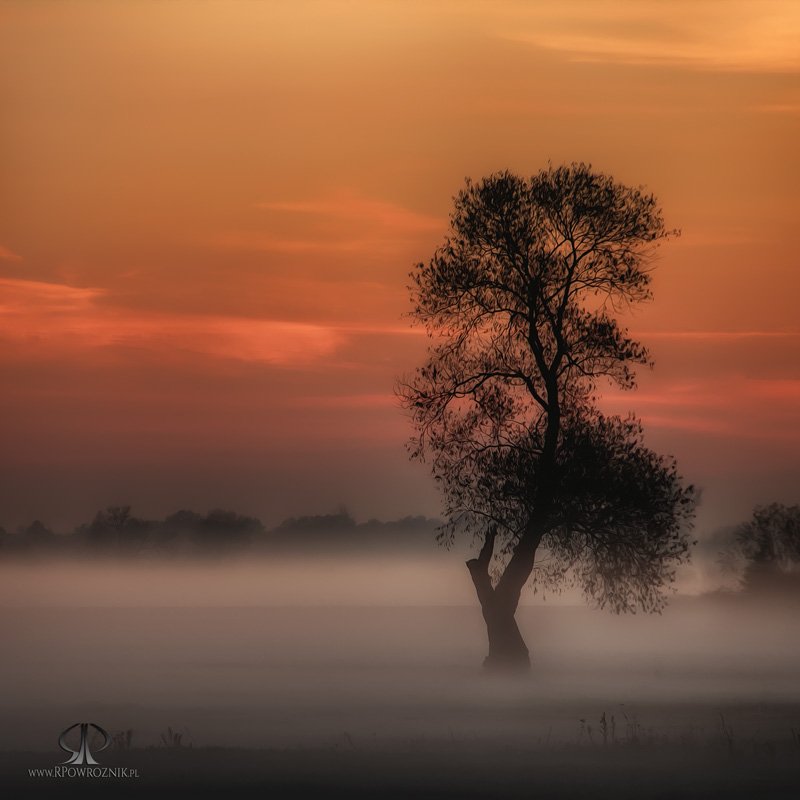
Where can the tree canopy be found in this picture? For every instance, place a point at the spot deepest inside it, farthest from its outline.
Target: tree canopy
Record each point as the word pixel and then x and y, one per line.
pixel 521 304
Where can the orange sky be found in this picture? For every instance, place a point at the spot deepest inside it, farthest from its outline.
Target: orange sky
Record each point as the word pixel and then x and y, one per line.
pixel 208 212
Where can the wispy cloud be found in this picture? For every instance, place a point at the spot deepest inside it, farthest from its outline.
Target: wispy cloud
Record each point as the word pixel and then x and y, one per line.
pixel 349 205
pixel 57 319
pixel 718 336
pixel 342 222
pixel 736 35
pixel 736 407
pixel 20 297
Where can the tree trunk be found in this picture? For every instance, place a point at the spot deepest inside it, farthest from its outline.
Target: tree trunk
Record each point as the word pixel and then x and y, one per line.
pixel 507 650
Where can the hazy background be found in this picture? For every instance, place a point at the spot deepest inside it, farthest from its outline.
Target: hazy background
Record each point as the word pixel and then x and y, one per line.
pixel 208 212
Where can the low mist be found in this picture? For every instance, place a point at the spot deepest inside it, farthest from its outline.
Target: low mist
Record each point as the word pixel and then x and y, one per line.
pixel 313 652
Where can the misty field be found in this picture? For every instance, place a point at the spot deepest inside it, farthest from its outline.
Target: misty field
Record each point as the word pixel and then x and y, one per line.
pixel 701 700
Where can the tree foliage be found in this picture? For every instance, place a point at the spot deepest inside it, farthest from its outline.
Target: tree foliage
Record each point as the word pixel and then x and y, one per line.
pixel 766 549
pixel 521 305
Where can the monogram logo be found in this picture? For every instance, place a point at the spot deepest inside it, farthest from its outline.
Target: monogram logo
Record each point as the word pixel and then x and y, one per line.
pixel 83 755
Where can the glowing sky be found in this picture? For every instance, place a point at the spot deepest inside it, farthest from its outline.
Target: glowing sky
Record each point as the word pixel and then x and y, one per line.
pixel 208 212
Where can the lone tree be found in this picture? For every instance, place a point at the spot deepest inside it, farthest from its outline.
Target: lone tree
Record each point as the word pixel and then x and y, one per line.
pixel 519 302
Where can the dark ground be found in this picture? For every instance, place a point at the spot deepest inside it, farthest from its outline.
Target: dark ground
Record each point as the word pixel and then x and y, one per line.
pixel 647 770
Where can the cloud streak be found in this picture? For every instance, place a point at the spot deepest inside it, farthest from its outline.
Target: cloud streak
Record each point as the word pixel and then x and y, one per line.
pixel 54 319
pixel 340 222
pixel 717 336
pixel 738 36
pixel 354 207
pixel 738 408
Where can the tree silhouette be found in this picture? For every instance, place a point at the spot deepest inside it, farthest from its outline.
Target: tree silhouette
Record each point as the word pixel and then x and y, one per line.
pixel 520 302
pixel 115 528
pixel 767 549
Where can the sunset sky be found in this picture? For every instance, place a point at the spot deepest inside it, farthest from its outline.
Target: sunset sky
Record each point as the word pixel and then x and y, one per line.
pixel 208 213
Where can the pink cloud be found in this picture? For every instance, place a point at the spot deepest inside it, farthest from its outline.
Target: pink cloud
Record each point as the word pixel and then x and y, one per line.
pixel 720 336
pixel 55 318
pixel 736 407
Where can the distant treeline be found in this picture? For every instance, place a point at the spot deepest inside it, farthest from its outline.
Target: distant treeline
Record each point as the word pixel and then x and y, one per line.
pixel 116 531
